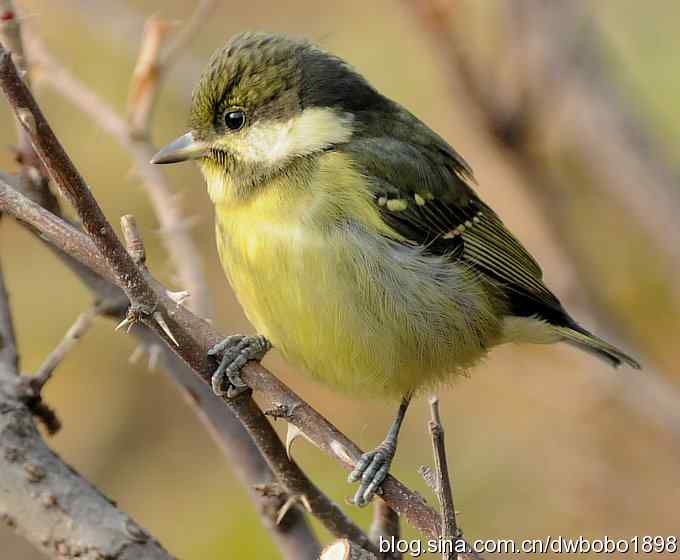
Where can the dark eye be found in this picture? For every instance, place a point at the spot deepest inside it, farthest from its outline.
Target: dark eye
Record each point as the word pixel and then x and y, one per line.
pixel 234 119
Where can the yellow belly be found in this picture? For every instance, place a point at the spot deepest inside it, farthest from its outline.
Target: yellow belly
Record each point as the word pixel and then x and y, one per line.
pixel 337 296
pixel 358 319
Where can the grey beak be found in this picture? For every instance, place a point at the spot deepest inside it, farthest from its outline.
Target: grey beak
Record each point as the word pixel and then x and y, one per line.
pixel 182 149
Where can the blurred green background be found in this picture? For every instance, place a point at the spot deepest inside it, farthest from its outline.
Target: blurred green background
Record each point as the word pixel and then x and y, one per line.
pixel 541 440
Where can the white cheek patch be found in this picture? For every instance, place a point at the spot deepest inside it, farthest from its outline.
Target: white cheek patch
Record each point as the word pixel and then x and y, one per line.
pixel 313 130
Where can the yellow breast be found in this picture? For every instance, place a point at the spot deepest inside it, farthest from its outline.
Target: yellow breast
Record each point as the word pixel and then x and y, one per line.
pixel 338 299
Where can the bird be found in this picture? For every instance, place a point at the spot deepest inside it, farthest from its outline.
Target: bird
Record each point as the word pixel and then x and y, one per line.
pixel 352 236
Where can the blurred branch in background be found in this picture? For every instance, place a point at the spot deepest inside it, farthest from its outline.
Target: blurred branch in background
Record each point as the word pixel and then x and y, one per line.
pixel 547 97
pixel 450 530
pixel 549 101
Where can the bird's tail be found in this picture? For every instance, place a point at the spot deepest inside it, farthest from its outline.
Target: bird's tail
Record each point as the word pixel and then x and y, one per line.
pixel 581 338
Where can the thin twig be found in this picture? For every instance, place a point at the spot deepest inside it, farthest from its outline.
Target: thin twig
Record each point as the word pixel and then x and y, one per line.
pixel 154 61
pixel 183 252
pixel 146 76
pixel 133 239
pixel 81 325
pixel 450 532
pixel 33 175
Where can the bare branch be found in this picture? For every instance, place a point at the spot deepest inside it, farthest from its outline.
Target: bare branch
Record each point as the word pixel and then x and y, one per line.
pixel 44 499
pixel 193 350
pixel 154 61
pixel 33 175
pixel 49 503
pixel 81 325
pixel 184 254
pixel 450 531
pixel 146 76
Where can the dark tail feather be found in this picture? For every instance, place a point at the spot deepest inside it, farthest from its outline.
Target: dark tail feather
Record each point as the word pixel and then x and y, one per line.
pixel 582 339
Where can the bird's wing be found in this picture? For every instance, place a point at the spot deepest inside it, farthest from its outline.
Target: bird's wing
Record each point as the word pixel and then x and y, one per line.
pixel 422 189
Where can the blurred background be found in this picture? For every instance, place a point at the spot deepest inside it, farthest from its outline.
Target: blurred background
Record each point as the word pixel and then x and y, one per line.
pixel 542 440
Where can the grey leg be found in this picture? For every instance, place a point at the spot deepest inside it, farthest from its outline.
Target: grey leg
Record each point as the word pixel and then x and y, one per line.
pixel 373 466
pixel 236 350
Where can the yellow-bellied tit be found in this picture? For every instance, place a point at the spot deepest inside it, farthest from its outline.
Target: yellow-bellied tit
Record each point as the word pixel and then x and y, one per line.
pixel 352 236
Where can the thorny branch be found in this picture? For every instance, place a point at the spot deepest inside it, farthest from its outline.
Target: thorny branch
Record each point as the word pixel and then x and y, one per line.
pixel 195 337
pixel 81 325
pixel 450 530
pixel 43 498
pixel 291 534
pixel 183 253
pixel 116 264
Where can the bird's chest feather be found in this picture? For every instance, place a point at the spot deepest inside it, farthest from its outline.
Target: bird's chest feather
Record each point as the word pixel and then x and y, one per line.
pixel 343 301
pixel 294 284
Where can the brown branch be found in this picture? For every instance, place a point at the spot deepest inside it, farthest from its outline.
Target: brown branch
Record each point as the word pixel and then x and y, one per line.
pixel 154 62
pixel 195 337
pixel 73 186
pixel 183 252
pixel 81 325
pixel 33 175
pixel 145 302
pixel 44 499
pixel 450 531
pixel 293 536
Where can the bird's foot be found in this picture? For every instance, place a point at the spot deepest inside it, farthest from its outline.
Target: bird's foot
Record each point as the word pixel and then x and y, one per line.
pixel 371 470
pixel 235 351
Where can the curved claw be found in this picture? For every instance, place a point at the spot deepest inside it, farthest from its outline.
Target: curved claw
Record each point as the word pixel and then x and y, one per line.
pixel 236 351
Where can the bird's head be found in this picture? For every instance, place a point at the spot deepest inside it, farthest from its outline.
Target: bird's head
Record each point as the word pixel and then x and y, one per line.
pixel 265 101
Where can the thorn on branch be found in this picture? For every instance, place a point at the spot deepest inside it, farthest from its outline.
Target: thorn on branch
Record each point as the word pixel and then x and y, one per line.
pixel 164 327
pixel 289 503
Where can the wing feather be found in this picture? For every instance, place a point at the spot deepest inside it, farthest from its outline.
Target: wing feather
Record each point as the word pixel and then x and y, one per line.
pixel 422 188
